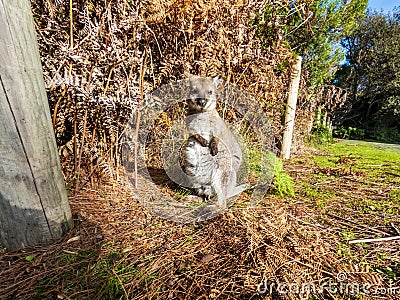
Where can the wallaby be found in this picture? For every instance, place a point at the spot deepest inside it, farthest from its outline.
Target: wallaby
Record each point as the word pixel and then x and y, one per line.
pixel 211 157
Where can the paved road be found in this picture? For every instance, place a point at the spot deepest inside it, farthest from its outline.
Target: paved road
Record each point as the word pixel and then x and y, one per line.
pixel 382 146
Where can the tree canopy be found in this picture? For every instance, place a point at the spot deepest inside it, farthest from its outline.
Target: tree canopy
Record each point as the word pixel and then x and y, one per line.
pixel 371 73
pixel 313 29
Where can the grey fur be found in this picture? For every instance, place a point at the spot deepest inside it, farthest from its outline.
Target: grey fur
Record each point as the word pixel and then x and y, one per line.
pixel 211 157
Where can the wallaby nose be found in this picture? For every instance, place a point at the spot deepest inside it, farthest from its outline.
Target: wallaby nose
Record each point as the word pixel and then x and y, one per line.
pixel 201 102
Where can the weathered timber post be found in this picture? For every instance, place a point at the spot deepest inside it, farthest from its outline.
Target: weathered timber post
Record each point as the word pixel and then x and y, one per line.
pixel 318 122
pixel 328 122
pixel 34 208
pixel 325 119
pixel 291 109
pixel 330 126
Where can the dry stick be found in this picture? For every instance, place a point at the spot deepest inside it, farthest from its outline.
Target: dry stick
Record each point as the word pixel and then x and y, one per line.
pixel 56 107
pixel 104 94
pixel 152 67
pixel 359 225
pixel 91 157
pixel 75 138
pixel 358 181
pixel 393 174
pixel 128 80
pixel 71 25
pixel 116 156
pixel 71 35
pixel 392 238
pixel 120 282
pixel 395 228
pixel 142 67
pixel 118 152
pixel 306 223
pixel 108 80
pixel 81 150
pixel 326 181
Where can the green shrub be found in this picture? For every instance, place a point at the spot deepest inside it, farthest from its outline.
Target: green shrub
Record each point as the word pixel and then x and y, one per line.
pixel 384 134
pixel 321 135
pixel 341 133
pixel 282 183
pixel 356 133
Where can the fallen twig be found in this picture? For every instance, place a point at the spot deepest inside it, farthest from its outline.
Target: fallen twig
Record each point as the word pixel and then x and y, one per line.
pixel 361 182
pixel 371 229
pixel 304 222
pixel 326 181
pixel 395 228
pixel 393 174
pixel 385 239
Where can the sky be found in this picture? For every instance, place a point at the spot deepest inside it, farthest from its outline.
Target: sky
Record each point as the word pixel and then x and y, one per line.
pixel 385 5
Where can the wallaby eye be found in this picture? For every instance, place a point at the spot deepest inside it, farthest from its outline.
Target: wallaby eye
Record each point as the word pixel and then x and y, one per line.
pixel 210 92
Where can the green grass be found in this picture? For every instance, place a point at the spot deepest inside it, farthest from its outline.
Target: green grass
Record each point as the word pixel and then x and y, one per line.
pixel 113 272
pixel 374 168
pixel 367 156
pixel 261 165
pixel 81 261
pixel 325 161
pixel 353 186
pixel 394 196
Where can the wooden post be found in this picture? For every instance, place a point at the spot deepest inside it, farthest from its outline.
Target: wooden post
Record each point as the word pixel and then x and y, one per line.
pixel 310 126
pixel 328 123
pixel 318 122
pixel 325 119
pixel 291 109
pixel 34 208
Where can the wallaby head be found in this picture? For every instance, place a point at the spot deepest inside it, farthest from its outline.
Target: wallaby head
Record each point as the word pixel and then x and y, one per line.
pixel 202 94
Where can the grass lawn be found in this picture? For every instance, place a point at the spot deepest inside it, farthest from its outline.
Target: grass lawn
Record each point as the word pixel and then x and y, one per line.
pixel 352 188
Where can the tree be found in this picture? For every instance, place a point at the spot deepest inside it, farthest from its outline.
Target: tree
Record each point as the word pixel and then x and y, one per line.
pixel 372 73
pixel 313 30
pixel 331 22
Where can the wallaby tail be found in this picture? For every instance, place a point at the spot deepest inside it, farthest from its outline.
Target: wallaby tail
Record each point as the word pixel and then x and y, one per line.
pixel 237 190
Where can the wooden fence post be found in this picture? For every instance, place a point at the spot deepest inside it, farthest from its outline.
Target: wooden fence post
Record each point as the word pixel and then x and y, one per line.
pixel 330 125
pixel 318 118
pixel 291 109
pixel 325 119
pixel 34 208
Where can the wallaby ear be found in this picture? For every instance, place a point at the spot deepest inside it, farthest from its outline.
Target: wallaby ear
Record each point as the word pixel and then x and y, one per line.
pixel 216 80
